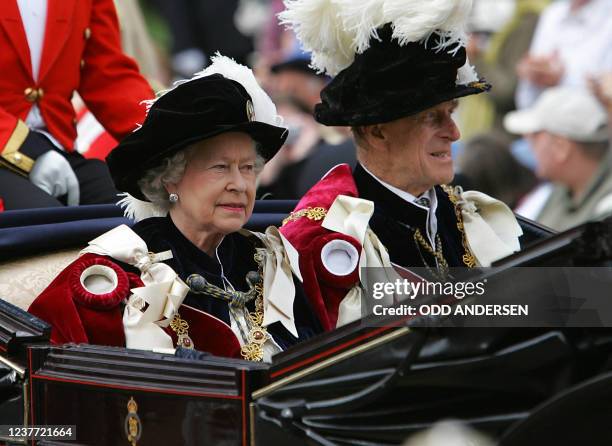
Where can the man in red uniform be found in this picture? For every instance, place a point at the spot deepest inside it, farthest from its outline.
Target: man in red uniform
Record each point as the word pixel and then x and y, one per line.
pixel 48 50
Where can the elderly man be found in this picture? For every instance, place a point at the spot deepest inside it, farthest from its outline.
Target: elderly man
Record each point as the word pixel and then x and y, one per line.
pixel 397 89
pixel 567 129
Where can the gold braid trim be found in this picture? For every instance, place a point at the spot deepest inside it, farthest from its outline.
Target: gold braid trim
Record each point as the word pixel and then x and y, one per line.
pixel 316 214
pixel 468 258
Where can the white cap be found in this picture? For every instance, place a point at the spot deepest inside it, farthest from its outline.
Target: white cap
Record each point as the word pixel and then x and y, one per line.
pixel 570 112
pixel 490 15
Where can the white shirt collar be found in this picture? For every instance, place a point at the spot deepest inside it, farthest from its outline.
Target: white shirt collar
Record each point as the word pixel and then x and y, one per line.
pixel 406 196
pixel 34 17
pixel 432 221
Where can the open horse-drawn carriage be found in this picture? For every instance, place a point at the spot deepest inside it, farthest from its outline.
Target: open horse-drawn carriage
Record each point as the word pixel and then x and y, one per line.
pixel 363 383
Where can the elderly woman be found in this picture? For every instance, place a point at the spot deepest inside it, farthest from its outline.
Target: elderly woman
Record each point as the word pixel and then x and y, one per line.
pixel 187 274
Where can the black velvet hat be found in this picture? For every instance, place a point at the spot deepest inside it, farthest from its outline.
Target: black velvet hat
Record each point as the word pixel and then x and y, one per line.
pixel 197 109
pixel 388 81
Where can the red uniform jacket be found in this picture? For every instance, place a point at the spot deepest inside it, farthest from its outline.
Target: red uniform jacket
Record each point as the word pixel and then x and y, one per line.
pixel 81 52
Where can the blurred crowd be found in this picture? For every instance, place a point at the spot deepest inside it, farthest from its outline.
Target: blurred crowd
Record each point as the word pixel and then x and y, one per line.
pixel 539 141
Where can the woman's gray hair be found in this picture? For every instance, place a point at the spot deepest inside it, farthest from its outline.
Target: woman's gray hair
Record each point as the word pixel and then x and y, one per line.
pixel 171 170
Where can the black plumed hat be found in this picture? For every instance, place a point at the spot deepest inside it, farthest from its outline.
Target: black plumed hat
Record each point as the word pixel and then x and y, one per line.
pixel 389 81
pixel 389 58
pixel 200 108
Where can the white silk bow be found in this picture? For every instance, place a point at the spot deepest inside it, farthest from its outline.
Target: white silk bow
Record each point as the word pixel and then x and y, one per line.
pixel 351 216
pixel 163 292
pixel 491 229
pixel 279 289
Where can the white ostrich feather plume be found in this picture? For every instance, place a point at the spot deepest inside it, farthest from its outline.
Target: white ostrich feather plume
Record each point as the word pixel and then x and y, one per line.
pixel 335 30
pixel 137 210
pixel 265 110
pixel 466 74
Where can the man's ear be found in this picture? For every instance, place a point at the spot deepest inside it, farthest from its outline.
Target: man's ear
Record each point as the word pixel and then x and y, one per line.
pixel 563 149
pixel 377 131
pixel 374 135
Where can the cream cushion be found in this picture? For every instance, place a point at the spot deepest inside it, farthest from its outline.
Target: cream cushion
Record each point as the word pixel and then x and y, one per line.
pixel 23 279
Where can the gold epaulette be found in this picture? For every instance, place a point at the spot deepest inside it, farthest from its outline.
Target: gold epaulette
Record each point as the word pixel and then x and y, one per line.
pixel 11 157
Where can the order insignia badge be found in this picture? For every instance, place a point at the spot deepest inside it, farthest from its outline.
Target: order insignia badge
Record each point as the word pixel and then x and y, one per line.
pixel 250 110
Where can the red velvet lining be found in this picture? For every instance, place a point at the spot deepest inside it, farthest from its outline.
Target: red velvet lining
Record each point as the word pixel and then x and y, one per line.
pixel 81 322
pixel 325 276
pixel 308 237
pixel 97 301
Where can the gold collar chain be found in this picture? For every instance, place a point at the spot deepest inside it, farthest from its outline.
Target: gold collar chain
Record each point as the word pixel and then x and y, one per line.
pixel 258 334
pixel 468 258
pixel 442 264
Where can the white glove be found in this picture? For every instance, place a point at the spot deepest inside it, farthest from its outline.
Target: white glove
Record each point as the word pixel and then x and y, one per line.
pixel 53 174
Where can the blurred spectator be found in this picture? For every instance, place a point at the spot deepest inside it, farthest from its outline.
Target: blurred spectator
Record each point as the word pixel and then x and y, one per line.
pixel 490 167
pixel 294 78
pixel 501 33
pixel 601 87
pixel 200 29
pixel 252 17
pixel 137 43
pixel 567 128
pixel 275 42
pixel 311 149
pixel 303 136
pixel 51 48
pixel 92 140
pixel 572 40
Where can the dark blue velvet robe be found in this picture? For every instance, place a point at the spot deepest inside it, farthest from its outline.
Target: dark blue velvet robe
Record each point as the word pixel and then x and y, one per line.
pixel 235 253
pixel 395 221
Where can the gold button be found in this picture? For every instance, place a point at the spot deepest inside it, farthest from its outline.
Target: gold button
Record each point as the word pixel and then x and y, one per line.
pixel 87 33
pixel 17 157
pixel 82 63
pixel 31 94
pixel 41 93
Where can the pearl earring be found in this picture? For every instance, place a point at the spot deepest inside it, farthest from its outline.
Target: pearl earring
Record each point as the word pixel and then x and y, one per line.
pixel 173 198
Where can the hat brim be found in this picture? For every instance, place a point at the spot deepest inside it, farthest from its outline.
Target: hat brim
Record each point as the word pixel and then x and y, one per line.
pixel 129 152
pixel 387 109
pixel 522 122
